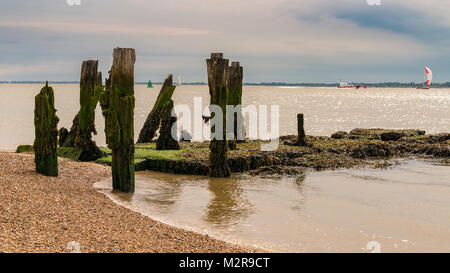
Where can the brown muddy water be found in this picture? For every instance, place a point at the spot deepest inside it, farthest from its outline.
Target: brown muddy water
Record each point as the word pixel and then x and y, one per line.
pixel 401 209
pixel 405 208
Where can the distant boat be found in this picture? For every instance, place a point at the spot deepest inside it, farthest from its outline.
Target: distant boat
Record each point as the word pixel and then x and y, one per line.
pixel 346 85
pixel 178 81
pixel 150 84
pixel 428 77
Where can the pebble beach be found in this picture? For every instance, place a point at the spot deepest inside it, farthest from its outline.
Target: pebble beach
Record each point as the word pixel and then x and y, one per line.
pixel 41 214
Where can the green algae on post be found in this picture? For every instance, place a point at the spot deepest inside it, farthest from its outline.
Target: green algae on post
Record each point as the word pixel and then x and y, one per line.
pixel 90 93
pixel 217 81
pixel 46 132
pixel 234 98
pixel 165 140
pixel 153 120
pixel 117 102
pixel 67 137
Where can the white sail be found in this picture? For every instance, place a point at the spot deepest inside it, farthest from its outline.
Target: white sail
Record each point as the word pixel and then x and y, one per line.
pixel 429 76
pixel 179 81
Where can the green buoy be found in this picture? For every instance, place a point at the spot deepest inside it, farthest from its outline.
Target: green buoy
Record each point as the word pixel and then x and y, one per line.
pixel 150 84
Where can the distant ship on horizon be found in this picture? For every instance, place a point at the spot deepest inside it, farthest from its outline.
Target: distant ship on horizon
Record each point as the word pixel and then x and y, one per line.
pixel 346 85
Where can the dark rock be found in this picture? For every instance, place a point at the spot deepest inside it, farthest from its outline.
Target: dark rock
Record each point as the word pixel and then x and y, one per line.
pixel 391 136
pixel 340 135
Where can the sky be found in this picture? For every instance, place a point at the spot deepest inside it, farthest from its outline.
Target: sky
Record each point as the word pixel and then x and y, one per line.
pixel 275 40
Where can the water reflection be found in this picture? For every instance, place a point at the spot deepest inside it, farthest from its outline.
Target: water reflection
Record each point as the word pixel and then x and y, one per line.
pixel 228 204
pixel 405 208
pixel 299 204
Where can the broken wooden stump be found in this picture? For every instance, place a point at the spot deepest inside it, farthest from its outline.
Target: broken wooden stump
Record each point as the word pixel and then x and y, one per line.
pixel 90 93
pixel 165 140
pixel 62 136
pixel 234 98
pixel 217 68
pixel 117 102
pixel 69 140
pixel 46 133
pixel 300 130
pixel 153 121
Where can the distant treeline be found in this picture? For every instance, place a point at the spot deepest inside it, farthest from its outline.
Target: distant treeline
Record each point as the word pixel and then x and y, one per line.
pixel 381 84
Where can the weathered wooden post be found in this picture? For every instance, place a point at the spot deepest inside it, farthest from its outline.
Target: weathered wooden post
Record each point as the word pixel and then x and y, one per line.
pixel 153 120
pixel 165 140
pixel 234 98
pixel 217 68
pixel 46 132
pixel 69 139
pixel 62 136
pixel 99 80
pixel 117 102
pixel 89 95
pixel 301 130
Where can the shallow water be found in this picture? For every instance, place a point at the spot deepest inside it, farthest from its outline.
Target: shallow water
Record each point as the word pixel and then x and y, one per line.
pixel 403 209
pixel 326 110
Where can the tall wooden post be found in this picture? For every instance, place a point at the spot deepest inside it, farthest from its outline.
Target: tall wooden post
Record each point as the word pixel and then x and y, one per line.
pixel 118 102
pixel 46 132
pixel 89 96
pixel 217 68
pixel 234 98
pixel 153 120
pixel 301 130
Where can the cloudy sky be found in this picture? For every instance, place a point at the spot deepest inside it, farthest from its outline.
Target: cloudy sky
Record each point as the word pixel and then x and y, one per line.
pixel 275 40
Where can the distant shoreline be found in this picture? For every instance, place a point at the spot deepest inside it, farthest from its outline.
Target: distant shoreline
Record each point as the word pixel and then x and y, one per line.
pixel 379 85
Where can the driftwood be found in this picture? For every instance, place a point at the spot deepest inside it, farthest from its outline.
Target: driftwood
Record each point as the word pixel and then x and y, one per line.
pixel 153 121
pixel 117 102
pixel 217 68
pixel 234 98
pixel 46 132
pixel 90 93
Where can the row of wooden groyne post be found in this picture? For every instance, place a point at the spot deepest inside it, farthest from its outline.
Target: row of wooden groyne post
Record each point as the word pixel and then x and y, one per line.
pixel 117 101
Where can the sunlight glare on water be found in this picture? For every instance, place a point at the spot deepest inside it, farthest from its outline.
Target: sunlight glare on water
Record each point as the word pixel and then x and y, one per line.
pixel 326 110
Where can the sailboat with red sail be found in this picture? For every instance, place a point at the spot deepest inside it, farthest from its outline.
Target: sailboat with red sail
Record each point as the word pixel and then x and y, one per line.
pixel 428 77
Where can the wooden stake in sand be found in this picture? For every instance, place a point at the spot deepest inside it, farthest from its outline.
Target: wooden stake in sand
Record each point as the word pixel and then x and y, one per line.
pixel 301 130
pixel 217 68
pixel 153 121
pixel 89 95
pixel 46 132
pixel 234 98
pixel 117 103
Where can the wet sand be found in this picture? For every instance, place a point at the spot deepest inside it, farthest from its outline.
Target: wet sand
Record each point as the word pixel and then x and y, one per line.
pixel 43 214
